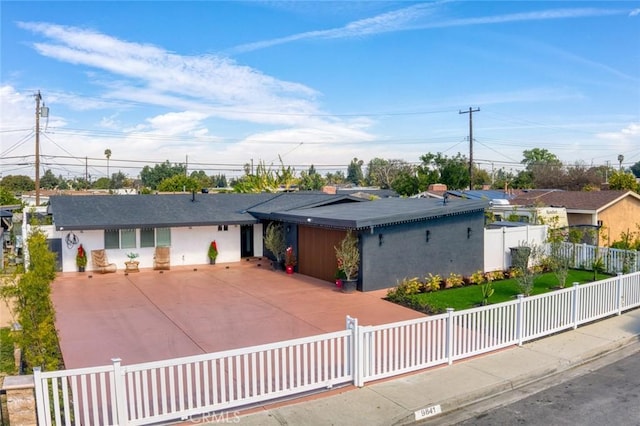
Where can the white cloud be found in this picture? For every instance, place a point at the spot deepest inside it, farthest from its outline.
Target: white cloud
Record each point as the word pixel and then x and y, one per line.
pixel 186 99
pixel 142 73
pixel 419 17
pixel 628 134
pixel 635 12
pixel 174 123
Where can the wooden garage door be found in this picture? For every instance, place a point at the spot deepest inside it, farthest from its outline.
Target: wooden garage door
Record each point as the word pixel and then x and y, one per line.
pixel 316 253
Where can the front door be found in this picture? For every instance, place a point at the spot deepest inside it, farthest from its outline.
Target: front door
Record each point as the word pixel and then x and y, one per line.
pixel 55 245
pixel 246 240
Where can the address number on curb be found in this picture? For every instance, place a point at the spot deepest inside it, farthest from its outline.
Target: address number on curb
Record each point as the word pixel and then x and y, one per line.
pixel 428 412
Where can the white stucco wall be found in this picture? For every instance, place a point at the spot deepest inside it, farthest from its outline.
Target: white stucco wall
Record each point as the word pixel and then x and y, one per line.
pixel 189 246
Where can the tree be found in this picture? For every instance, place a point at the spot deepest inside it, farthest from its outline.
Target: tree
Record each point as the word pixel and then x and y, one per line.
pixel 219 181
pixel 151 177
pixel 453 172
pixel 537 161
pixel 354 172
pixel 382 173
pixel 102 183
pixel 49 180
pixel 264 180
pixel 18 183
pixel 406 183
pixel 201 177
pixel 335 178
pixel 275 241
pixel 119 180
pixel 538 156
pixel 107 153
pixel 310 180
pixel 36 314
pixel 62 183
pixel 503 179
pixel 7 198
pixel 179 183
pixel 635 169
pixel 623 180
pixel 285 176
pixel 481 177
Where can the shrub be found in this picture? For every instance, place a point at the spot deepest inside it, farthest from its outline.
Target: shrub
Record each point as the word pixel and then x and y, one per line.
pixel 494 276
pixel 453 280
pixel 477 278
pixel 432 282
pixel 406 287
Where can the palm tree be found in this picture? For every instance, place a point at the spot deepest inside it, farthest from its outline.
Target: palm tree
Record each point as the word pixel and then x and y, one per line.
pixel 107 153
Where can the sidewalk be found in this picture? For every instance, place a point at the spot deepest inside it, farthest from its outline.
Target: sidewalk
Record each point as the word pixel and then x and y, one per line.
pixel 395 401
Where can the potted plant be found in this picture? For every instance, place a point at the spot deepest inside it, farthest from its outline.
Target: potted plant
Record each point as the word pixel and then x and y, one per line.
pixel 289 260
pixel 81 258
pixel 339 277
pixel 348 257
pixel 274 241
pixel 132 264
pixel 213 252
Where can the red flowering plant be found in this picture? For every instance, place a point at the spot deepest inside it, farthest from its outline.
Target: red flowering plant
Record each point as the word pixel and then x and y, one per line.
pixel 81 257
pixel 289 257
pixel 213 250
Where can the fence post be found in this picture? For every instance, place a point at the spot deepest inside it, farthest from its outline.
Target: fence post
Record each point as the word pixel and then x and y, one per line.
pixel 353 351
pixel 40 404
pixel 450 335
pixel 519 319
pixel 120 393
pixel 575 308
pixel 619 293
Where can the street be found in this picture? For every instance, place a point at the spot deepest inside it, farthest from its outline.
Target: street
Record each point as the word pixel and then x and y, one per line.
pixel 605 390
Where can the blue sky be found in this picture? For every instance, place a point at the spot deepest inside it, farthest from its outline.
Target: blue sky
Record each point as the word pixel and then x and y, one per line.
pixel 221 84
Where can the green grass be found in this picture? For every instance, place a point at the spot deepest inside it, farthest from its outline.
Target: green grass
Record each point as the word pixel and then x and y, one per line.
pixel 505 290
pixel 7 365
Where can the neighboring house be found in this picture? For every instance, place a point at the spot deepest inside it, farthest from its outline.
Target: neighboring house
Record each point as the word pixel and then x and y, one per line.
pixel 614 211
pixel 398 237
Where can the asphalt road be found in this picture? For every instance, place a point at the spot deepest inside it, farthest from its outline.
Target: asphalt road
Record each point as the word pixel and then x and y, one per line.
pixel 603 392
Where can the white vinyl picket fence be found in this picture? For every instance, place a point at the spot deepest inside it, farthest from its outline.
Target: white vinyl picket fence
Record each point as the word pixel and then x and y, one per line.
pixel 613 260
pixel 176 389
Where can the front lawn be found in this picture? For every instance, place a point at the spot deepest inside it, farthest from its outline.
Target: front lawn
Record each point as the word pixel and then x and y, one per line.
pixel 471 296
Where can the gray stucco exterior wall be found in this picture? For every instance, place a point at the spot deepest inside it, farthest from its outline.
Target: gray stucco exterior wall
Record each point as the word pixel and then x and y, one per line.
pixel 389 254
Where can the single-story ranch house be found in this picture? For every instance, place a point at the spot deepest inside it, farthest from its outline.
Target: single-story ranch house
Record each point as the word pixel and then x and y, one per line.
pixel 398 237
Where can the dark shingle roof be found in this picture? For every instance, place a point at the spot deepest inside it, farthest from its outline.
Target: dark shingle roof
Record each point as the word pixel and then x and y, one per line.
pixel 135 211
pixel 572 200
pixel 156 211
pixel 296 200
pixel 388 211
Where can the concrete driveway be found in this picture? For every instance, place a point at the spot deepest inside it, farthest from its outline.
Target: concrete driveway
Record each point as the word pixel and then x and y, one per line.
pixel 149 316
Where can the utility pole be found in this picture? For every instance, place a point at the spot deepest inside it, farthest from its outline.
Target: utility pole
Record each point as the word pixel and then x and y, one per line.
pixel 470 112
pixel 38 99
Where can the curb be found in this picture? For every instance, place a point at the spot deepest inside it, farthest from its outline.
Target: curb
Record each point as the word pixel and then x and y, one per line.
pixel 464 401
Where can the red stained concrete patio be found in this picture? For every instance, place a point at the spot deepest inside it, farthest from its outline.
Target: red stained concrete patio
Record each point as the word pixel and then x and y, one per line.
pixel 150 316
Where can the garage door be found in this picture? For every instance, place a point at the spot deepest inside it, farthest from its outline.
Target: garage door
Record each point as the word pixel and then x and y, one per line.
pixel 316 253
